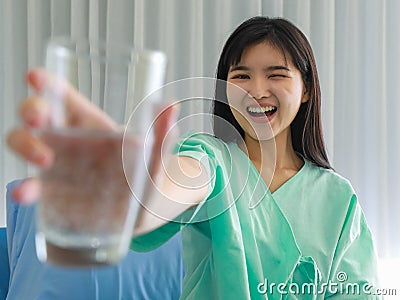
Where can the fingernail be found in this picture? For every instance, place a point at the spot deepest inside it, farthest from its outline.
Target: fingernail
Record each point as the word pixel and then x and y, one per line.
pixel 32 122
pixel 19 194
pixel 23 194
pixel 41 157
pixel 36 79
pixel 35 117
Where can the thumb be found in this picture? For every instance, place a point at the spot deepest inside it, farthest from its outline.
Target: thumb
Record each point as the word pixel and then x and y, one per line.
pixel 165 133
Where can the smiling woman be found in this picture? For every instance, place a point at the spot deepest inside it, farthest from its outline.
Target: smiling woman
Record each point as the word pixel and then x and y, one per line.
pixel 270 63
pixel 272 210
pixel 356 47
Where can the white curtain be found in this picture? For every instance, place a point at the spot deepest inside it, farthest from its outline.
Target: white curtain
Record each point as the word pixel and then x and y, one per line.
pixel 356 44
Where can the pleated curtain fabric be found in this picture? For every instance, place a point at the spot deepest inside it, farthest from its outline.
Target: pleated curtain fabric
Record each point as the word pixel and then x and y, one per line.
pixel 356 44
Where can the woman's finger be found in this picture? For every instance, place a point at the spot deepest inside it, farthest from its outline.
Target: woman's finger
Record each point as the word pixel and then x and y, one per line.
pixel 35 112
pixel 27 192
pixel 80 112
pixel 30 147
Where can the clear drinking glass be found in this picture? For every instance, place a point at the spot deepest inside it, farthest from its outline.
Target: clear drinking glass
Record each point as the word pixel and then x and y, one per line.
pixel 87 212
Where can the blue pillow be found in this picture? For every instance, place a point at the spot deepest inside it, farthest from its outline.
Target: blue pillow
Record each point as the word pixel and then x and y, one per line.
pixel 153 275
pixel 4 267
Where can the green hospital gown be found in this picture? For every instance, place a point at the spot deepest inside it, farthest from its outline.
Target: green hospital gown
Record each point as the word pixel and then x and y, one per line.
pixel 307 240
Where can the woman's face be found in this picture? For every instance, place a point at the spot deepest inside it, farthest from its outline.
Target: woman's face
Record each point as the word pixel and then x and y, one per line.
pixel 271 92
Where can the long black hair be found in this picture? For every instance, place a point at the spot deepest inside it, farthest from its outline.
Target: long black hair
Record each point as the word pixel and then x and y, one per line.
pixel 306 128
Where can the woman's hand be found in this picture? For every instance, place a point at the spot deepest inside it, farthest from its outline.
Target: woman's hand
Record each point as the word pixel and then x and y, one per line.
pixel 35 114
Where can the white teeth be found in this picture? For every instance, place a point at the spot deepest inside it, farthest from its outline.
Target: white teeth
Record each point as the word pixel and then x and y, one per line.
pixel 260 109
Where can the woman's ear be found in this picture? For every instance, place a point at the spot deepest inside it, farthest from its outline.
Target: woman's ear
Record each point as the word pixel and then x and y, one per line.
pixel 304 97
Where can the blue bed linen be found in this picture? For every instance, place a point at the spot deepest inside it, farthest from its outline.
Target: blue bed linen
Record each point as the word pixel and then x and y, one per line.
pixel 154 275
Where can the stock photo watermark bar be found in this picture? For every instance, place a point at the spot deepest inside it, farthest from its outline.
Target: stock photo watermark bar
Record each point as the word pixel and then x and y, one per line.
pixel 342 286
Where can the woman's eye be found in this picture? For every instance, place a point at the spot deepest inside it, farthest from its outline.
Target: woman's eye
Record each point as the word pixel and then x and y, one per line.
pixel 240 76
pixel 277 76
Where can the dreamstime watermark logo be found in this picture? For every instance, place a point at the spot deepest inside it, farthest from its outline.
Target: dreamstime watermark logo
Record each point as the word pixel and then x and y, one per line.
pixel 340 286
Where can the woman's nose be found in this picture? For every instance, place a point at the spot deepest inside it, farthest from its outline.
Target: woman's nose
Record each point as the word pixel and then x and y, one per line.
pixel 259 88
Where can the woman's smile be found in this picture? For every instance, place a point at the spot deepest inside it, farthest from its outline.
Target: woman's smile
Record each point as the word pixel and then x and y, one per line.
pixel 261 112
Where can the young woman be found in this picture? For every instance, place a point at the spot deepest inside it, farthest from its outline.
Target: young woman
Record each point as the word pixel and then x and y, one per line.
pixel 263 216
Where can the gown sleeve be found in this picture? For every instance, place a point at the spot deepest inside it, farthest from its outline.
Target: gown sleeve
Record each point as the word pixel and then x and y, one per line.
pixel 354 268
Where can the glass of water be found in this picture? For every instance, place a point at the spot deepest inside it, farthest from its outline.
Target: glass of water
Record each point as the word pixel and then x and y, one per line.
pixel 88 211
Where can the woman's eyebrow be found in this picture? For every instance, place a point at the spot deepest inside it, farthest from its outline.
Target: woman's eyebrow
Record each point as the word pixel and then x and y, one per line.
pixel 239 68
pixel 274 68
pixel 267 69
